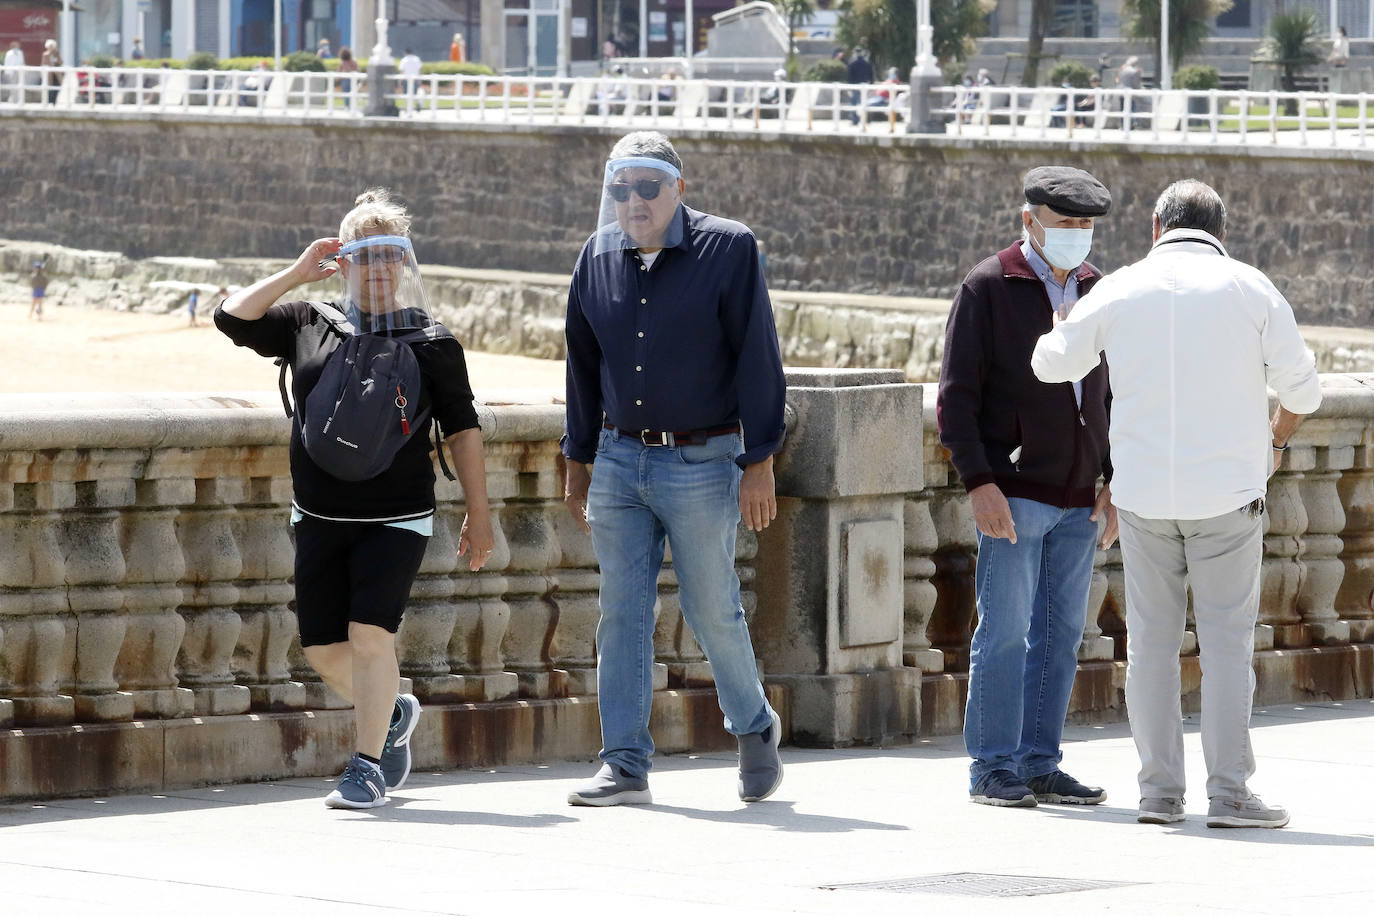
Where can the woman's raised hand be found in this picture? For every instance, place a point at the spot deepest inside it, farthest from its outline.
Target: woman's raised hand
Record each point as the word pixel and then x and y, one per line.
pixel 308 269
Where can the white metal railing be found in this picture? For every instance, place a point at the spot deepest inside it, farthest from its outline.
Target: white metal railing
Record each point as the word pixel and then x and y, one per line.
pixel 1215 117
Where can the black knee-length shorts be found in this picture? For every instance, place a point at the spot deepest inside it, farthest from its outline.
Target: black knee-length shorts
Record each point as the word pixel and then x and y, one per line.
pixel 352 572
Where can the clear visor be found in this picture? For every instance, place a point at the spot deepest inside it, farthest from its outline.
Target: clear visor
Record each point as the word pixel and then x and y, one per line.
pixel 640 204
pixel 382 291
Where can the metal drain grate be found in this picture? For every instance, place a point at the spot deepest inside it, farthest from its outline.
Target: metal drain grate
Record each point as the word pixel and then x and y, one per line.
pixel 974 884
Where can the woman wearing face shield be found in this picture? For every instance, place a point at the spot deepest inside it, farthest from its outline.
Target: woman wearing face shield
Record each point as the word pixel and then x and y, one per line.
pixel 359 544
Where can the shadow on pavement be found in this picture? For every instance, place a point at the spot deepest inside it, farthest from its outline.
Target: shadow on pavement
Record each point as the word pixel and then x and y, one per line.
pixel 1196 825
pixel 779 814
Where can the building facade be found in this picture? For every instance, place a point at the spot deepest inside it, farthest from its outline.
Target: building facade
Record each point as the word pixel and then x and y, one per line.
pixel 1106 18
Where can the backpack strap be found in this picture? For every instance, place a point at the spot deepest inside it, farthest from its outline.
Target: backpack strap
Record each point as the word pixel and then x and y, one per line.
pixel 439 447
pixel 281 386
pixel 336 319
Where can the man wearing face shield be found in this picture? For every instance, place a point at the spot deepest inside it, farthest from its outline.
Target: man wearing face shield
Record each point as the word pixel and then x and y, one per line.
pixel 1029 454
pixel 360 542
pixel 675 408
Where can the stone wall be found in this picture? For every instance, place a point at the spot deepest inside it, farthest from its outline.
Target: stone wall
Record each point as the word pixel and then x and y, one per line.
pixel 892 215
pixel 147 638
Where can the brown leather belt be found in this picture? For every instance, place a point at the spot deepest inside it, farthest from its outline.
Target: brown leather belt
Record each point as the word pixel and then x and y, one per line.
pixel 657 438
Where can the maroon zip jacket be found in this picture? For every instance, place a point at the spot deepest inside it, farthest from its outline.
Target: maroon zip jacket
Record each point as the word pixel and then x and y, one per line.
pixel 990 401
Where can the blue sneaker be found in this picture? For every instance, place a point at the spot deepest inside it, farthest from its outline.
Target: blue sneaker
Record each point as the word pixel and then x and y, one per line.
pixel 1004 789
pixel 1059 788
pixel 396 751
pixel 361 786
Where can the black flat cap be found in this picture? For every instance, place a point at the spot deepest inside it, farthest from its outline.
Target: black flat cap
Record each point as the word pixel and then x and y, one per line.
pixel 1072 192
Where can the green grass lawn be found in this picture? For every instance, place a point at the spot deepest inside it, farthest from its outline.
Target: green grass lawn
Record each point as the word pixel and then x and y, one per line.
pixel 1257 118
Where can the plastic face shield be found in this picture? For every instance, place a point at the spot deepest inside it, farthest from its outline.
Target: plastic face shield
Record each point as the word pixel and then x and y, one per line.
pixel 382 291
pixel 639 205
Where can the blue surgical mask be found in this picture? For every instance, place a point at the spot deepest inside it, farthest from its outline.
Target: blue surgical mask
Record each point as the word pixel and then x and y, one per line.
pixel 1066 248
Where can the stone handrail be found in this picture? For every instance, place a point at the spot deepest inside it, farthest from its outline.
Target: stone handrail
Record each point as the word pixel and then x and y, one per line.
pixel 145 570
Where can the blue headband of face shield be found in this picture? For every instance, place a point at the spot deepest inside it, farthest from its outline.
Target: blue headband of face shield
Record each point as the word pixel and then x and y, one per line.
pixel 397 241
pixel 639 162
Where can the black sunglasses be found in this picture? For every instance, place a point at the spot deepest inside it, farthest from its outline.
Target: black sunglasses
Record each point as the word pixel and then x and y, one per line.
pixel 646 188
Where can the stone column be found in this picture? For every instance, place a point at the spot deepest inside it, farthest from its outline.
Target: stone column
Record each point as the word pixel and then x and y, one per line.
pixel 268 626
pixel 430 616
pixel 1355 600
pixel 578 580
pixel 153 565
pixel 209 596
pixel 481 646
pixel 831 580
pixel 1322 543
pixel 38 651
pixel 89 540
pixel 921 540
pixel 1282 572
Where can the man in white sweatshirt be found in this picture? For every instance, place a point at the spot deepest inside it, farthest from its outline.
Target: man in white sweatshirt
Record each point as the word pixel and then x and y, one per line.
pixel 1192 338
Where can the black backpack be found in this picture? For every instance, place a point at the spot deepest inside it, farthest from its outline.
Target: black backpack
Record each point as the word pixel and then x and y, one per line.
pixel 365 406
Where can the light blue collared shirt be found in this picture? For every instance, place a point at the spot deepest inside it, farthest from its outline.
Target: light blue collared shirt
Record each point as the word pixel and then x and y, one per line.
pixel 1062 298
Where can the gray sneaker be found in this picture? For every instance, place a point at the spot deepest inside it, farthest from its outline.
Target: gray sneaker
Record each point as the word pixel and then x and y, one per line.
pixel 1244 812
pixel 611 786
pixel 361 786
pixel 1160 811
pixel 396 752
pixel 760 767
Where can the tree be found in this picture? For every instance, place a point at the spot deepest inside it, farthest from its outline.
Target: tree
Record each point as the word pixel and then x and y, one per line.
pixel 1295 44
pixel 794 13
pixel 887 29
pixel 1190 22
pixel 1041 11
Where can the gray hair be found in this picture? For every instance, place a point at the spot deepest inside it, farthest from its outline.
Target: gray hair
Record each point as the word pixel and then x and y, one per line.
pixel 1190 204
pixel 374 213
pixel 648 143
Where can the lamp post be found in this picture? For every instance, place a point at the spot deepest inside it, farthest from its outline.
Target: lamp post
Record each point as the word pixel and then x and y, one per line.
pixel 925 76
pixel 1166 72
pixel 276 34
pixel 380 69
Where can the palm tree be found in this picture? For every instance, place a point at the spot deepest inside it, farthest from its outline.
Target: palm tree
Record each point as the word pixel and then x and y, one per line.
pixel 1295 45
pixel 794 12
pixel 1190 22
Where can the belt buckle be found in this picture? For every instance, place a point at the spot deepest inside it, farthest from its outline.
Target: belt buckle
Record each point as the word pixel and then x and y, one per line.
pixel 664 439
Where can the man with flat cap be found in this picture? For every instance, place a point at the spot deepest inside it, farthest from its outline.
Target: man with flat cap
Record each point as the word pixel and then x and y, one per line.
pixel 1030 455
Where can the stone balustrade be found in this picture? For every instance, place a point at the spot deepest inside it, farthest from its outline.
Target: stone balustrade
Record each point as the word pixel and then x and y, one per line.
pixel 147 637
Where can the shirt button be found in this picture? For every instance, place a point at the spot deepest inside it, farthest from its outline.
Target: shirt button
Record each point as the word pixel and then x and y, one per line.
pixel 639 403
pixel 639 368
pixel 644 267
pixel 641 333
pixel 643 301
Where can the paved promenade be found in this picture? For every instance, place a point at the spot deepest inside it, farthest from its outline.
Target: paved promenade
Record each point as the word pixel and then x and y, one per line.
pixel 504 842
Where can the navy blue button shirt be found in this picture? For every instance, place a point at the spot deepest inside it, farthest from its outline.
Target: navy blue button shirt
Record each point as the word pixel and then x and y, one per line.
pixel 687 344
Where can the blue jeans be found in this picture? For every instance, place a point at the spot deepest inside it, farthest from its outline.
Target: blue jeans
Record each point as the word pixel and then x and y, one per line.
pixel 689 494
pixel 1032 603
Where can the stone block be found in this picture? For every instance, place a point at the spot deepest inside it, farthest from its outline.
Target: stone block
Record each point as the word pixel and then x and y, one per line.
pixel 104 707
pixel 871 584
pixel 839 710
pixel 851 441
pixel 81 760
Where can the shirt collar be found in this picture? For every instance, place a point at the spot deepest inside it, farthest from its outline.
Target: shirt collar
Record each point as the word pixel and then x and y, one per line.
pixel 1042 267
pixel 685 214
pixel 1190 235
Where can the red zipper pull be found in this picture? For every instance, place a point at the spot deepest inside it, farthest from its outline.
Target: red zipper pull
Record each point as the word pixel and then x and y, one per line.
pixel 401 406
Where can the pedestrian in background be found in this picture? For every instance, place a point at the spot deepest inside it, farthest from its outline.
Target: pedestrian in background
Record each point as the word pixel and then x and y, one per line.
pixel 458 49
pixel 675 408
pixel 1194 339
pixel 38 285
pixel 52 60
pixel 1029 454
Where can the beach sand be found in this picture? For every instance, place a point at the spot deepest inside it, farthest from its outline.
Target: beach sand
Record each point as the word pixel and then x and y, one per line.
pixel 94 350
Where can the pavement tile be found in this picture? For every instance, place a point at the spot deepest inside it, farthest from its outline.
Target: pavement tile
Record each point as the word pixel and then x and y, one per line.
pixel 503 840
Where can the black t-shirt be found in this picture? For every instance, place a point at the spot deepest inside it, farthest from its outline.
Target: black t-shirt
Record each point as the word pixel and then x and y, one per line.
pixel 405 490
